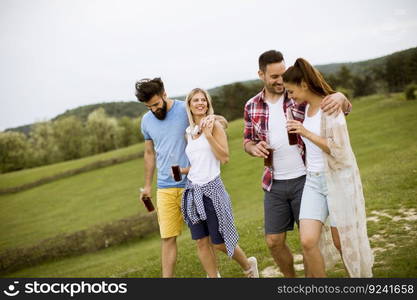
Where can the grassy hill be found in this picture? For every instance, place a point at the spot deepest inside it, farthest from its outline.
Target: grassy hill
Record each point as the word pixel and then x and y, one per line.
pixel 385 143
pixel 17 178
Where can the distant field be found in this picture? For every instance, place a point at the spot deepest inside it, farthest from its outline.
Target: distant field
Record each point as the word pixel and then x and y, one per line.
pixel 70 204
pixel 384 140
pixel 17 178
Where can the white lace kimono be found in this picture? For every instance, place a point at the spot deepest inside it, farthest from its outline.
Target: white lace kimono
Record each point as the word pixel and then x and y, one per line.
pixel 346 201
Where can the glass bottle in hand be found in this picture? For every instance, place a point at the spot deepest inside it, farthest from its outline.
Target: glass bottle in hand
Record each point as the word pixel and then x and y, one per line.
pixel 292 137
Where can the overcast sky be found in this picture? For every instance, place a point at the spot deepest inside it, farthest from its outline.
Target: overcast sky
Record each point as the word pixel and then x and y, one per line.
pixel 59 54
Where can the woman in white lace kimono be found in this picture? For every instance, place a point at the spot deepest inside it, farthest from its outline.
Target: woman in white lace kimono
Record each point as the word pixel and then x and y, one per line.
pixel 333 189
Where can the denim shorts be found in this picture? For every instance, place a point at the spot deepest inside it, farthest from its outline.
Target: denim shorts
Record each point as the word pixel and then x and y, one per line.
pixel 314 202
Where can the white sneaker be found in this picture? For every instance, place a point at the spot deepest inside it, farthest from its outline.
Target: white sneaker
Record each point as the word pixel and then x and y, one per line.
pixel 253 270
pixel 218 275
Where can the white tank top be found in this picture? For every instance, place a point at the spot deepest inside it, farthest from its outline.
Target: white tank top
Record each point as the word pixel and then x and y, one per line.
pixel 204 165
pixel 315 161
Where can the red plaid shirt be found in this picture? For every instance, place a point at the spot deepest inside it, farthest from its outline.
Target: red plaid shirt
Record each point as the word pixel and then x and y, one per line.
pixel 256 118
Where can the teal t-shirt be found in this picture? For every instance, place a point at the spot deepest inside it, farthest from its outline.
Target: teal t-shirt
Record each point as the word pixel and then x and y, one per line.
pixel 168 137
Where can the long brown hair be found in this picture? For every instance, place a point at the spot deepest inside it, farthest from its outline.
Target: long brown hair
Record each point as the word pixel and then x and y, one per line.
pixel 304 71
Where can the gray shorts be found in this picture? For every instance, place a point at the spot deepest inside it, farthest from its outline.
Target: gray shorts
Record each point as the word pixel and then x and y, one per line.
pixel 282 205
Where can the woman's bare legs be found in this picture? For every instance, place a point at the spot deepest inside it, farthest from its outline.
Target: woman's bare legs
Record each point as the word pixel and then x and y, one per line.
pixel 338 245
pixel 207 257
pixel 310 231
pixel 239 256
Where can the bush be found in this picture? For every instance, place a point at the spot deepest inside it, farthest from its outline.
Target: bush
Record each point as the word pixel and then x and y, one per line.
pixel 128 132
pixel 102 131
pixel 410 91
pixel 69 133
pixel 14 148
pixel 43 144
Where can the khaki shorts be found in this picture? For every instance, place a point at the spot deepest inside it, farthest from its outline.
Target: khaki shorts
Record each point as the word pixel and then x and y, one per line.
pixel 168 207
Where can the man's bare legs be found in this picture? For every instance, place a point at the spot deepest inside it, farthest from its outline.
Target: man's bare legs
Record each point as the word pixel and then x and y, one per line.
pixel 169 256
pixel 281 253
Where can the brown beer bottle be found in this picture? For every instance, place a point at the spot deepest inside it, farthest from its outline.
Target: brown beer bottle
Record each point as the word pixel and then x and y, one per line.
pixel 292 137
pixel 177 173
pixel 147 201
pixel 268 161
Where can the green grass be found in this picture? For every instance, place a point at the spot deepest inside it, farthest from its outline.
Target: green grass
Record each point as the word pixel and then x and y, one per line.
pixel 18 178
pixel 71 204
pixel 384 140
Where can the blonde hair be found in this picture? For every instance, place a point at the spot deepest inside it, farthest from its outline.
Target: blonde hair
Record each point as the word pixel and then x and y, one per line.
pixel 190 95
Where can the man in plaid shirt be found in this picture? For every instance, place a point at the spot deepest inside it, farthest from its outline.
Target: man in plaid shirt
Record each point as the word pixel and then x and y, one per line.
pixel 283 182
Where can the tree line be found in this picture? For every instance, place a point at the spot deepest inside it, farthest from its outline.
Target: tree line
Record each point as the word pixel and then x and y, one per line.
pixel 394 73
pixel 66 138
pixel 89 130
pixel 391 74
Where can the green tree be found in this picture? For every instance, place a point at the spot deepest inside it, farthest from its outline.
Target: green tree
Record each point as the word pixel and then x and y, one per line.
pixel 412 67
pixel 344 78
pixel 14 153
pixel 138 134
pixel 230 100
pixel 70 137
pixel 411 91
pixel 395 75
pixel 128 133
pixel 363 86
pixel 43 146
pixel 332 79
pixel 102 131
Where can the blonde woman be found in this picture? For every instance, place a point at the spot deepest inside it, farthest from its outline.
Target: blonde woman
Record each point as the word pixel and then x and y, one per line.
pixel 206 205
pixel 333 185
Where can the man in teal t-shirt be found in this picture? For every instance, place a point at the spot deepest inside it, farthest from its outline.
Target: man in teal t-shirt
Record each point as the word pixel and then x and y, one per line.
pixel 168 140
pixel 163 128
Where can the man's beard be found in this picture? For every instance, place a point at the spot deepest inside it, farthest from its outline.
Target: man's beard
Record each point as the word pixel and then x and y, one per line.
pixel 161 113
pixel 272 89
